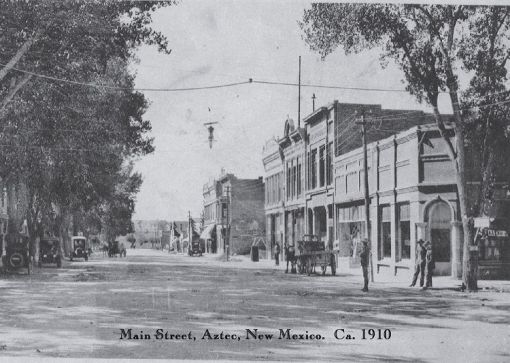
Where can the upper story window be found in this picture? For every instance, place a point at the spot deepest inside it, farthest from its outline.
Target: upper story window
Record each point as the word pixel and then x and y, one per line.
pixel 329 164
pixel 322 166
pixel 313 167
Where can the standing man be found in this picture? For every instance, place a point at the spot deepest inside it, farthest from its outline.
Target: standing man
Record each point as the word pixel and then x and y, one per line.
pixel 419 263
pixel 364 256
pixel 277 254
pixel 430 264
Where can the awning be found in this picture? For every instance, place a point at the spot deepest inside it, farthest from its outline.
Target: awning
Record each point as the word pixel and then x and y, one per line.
pixel 207 232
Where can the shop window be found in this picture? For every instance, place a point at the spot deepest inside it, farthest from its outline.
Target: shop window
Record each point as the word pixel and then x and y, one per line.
pixel 385 229
pixel 489 249
pixel 404 232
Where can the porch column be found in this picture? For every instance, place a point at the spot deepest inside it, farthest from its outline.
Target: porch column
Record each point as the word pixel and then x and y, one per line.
pixel 314 221
pixel 457 243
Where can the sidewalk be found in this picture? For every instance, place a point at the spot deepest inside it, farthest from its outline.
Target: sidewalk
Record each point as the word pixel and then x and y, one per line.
pixel 349 275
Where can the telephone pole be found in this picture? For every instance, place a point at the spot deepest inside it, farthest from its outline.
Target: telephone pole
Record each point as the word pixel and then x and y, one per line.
pixel 299 96
pixel 366 191
pixel 227 231
pixel 190 232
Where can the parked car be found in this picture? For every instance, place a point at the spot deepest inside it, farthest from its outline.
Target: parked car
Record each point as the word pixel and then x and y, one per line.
pixel 17 254
pixel 49 252
pixel 79 248
pixel 196 248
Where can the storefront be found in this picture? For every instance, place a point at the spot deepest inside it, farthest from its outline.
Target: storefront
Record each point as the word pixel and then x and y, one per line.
pixel 494 250
pixel 350 230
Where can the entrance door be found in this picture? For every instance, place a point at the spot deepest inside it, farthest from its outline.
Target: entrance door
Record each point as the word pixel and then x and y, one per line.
pixel 440 235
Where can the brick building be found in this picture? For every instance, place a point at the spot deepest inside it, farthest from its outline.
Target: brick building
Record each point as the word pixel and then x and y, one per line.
pixel 412 191
pixel 237 204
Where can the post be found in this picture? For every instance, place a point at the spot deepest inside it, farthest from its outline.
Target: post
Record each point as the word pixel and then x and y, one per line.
pixel 190 232
pixel 299 96
pixel 227 231
pixel 172 236
pixel 366 191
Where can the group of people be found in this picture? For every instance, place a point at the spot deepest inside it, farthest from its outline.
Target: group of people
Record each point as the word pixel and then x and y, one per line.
pixel 289 256
pixel 424 262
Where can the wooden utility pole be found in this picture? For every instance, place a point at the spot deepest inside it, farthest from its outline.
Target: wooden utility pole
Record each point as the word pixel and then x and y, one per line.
pixel 190 232
pixel 227 231
pixel 366 191
pixel 299 96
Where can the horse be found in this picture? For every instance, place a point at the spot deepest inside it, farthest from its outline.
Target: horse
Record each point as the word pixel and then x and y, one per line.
pixel 104 248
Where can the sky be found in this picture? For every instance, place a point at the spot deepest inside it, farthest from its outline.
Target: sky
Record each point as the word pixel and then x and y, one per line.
pixel 219 42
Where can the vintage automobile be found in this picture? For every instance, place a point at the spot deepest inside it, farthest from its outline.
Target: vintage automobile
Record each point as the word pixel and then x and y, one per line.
pixel 17 254
pixel 49 252
pixel 79 248
pixel 197 247
pixel 115 248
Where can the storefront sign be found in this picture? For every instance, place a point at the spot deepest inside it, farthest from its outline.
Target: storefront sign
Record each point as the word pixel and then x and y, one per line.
pixel 497 233
pixel 482 222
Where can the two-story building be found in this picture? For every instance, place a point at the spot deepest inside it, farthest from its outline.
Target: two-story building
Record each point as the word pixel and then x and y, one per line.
pixel 292 146
pixel 413 195
pixel 319 131
pixel 233 213
pixel 274 194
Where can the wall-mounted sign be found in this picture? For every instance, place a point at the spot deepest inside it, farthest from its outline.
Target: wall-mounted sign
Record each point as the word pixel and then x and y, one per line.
pixel 497 233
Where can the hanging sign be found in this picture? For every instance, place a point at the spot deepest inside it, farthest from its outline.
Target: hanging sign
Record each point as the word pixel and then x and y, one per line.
pixel 482 222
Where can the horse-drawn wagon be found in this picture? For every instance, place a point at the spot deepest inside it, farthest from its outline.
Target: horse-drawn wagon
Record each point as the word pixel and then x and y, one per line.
pixel 312 252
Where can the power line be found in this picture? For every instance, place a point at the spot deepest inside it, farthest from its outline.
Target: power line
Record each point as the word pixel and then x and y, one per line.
pixel 95 85
pixel 332 87
pixel 232 84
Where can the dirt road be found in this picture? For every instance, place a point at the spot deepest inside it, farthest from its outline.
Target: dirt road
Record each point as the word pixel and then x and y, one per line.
pixel 83 309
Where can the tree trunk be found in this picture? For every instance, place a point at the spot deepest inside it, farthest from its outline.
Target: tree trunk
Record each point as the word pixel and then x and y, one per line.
pixel 470 255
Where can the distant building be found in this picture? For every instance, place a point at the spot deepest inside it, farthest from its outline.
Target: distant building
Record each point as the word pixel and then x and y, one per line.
pixel 237 204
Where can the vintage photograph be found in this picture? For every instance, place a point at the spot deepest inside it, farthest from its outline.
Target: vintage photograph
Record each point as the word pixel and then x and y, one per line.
pixel 254 181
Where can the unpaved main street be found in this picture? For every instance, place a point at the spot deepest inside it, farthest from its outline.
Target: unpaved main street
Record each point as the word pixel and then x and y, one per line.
pixel 79 311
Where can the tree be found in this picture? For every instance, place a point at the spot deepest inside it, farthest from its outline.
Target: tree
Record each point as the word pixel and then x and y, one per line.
pixel 64 141
pixel 117 210
pixel 70 39
pixel 433 45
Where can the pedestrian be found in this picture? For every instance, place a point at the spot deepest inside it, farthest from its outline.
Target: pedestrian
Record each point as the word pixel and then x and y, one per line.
pixel 364 256
pixel 419 263
pixel 277 254
pixel 430 265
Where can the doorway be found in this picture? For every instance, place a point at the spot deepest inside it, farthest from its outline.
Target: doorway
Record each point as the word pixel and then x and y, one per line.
pixel 440 219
